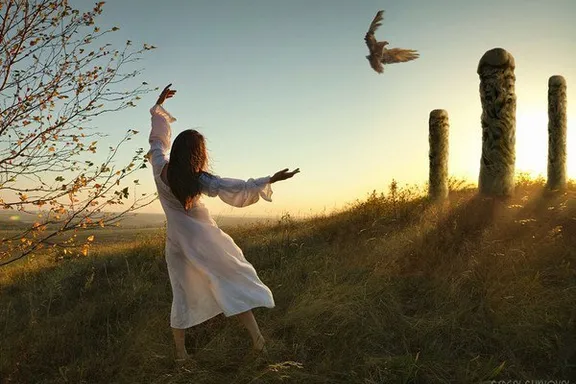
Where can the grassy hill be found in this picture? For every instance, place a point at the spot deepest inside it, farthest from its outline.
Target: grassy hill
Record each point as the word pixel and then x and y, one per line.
pixel 390 290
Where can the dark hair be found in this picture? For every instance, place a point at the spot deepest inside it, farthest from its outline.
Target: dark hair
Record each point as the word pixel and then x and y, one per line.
pixel 188 159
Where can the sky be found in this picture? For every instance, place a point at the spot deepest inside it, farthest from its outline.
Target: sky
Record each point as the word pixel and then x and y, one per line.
pixel 276 84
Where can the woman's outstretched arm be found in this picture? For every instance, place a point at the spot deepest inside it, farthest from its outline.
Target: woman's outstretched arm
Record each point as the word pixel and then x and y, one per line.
pixel 240 193
pixel 236 192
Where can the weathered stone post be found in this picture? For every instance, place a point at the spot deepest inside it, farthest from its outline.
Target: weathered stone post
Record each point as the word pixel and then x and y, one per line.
pixel 438 139
pixel 557 124
pixel 497 80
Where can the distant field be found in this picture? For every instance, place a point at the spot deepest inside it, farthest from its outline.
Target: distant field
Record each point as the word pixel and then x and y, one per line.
pixel 131 230
pixel 10 220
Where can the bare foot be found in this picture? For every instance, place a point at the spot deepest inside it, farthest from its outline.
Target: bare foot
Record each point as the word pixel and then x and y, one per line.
pixel 182 356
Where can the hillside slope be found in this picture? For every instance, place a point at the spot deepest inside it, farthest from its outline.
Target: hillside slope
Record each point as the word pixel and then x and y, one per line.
pixel 390 290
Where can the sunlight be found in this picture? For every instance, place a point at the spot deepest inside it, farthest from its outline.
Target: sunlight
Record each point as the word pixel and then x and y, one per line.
pixel 571 144
pixel 531 142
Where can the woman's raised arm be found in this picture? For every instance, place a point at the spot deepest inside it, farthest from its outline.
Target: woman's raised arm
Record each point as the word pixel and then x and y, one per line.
pixel 160 133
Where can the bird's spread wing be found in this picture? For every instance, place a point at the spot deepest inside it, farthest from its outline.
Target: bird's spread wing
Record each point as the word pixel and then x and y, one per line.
pixel 398 55
pixel 369 37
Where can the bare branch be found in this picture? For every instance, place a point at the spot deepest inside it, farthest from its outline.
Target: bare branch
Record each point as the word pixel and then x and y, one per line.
pixel 57 73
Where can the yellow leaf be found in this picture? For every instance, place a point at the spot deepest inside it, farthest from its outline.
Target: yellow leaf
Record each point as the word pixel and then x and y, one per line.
pixel 90 238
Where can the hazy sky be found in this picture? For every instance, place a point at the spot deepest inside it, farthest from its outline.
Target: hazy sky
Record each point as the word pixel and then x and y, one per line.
pixel 276 84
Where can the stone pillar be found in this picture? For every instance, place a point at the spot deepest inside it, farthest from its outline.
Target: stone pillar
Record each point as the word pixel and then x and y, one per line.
pixel 557 124
pixel 438 139
pixel 497 94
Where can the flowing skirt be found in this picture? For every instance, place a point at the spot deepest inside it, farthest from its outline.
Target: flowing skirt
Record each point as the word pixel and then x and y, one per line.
pixel 208 271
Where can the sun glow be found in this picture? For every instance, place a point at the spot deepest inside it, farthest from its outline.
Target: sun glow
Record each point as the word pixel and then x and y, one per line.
pixel 571 144
pixel 531 142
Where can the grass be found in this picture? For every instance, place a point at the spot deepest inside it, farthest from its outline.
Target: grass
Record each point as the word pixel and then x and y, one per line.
pixel 391 289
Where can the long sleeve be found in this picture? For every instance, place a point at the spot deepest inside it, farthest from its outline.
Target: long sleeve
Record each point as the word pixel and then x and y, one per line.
pixel 236 192
pixel 159 139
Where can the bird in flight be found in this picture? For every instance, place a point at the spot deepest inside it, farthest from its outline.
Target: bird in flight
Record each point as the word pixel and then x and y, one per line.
pixel 379 54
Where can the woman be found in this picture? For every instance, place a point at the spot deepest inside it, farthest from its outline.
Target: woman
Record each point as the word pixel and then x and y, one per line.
pixel 208 271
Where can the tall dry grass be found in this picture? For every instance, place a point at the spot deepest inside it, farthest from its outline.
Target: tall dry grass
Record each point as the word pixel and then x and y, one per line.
pixel 391 289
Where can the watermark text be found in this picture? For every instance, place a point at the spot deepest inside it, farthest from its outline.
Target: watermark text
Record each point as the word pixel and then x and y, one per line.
pixel 529 382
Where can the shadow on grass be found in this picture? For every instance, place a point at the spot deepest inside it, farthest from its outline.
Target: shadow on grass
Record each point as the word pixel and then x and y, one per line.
pixel 465 262
pixel 462 225
pixel 457 227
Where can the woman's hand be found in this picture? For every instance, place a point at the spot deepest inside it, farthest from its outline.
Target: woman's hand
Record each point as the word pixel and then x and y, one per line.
pixel 283 175
pixel 166 94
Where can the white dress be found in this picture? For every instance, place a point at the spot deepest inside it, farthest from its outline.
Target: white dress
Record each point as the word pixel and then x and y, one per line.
pixel 208 271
